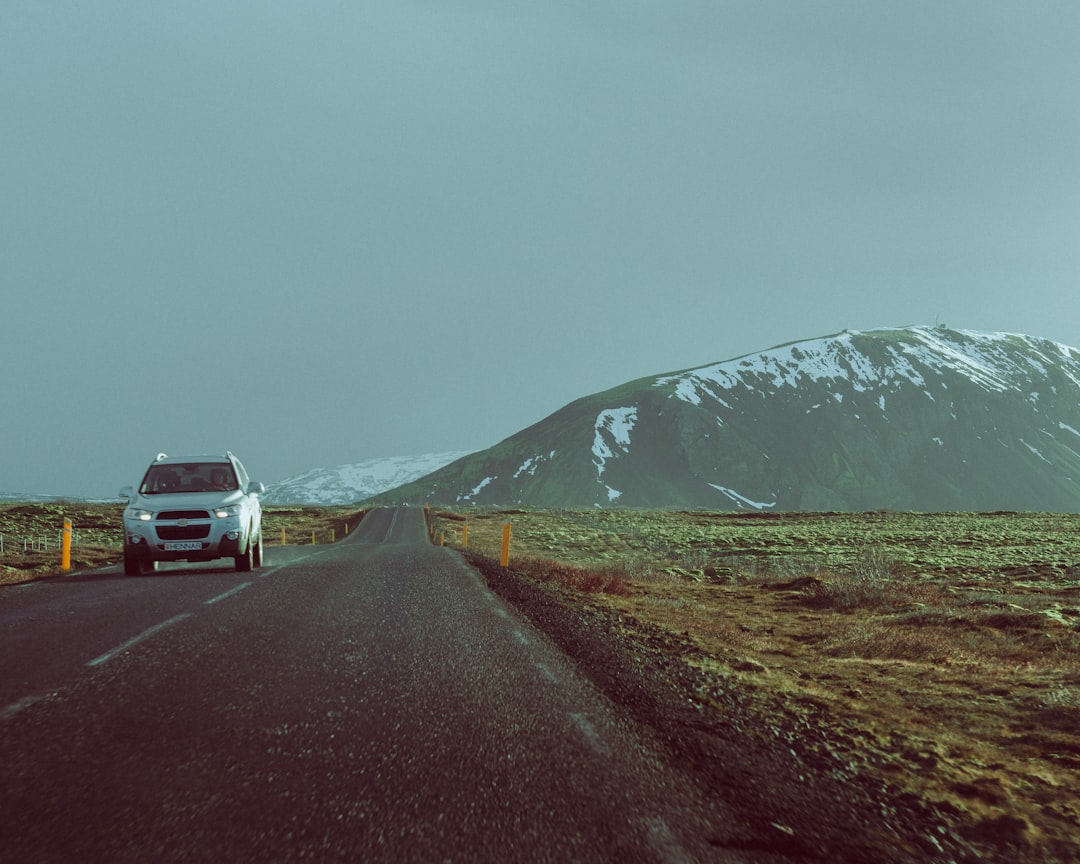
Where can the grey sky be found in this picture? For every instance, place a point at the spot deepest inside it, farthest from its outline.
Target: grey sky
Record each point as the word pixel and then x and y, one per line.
pixel 316 233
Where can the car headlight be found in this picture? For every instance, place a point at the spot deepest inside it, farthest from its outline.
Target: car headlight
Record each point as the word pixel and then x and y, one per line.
pixel 141 515
pixel 225 512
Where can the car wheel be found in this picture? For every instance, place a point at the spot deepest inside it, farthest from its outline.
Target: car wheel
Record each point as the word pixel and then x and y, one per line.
pixel 256 553
pixel 138 565
pixel 245 562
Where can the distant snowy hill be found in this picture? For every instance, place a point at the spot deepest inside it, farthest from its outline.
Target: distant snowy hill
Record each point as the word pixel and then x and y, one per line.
pixel 914 418
pixel 346 484
pixel 28 498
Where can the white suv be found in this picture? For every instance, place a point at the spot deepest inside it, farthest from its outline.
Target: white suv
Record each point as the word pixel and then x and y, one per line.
pixel 193 508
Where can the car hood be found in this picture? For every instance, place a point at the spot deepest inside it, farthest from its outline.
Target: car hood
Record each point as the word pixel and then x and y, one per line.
pixel 188 500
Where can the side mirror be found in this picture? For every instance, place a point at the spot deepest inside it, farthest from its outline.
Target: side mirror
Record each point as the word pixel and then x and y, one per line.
pixel 256 488
pixel 127 493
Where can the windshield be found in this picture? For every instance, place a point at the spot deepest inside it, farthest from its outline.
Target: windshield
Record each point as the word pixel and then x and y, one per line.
pixel 189 477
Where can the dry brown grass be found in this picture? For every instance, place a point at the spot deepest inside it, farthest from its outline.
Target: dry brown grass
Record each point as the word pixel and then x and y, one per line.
pixel 590 580
pixel 955 687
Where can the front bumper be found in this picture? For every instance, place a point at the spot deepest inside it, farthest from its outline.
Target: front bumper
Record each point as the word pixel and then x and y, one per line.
pixel 184 539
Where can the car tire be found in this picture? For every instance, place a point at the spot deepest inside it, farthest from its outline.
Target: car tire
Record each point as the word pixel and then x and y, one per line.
pixel 257 554
pixel 245 562
pixel 138 565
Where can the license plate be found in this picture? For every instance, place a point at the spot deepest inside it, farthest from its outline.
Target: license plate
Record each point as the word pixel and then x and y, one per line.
pixel 186 546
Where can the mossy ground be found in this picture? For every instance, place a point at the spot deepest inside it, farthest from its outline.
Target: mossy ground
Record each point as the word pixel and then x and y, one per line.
pixel 937 652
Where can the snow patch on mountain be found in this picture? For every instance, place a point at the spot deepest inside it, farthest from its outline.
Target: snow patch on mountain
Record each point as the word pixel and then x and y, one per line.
pixel 346 484
pixel 989 360
pixel 477 489
pixel 612 430
pixel 527 467
pixel 742 500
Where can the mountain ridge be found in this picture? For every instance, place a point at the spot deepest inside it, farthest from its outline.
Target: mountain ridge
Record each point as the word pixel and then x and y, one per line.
pixel 912 418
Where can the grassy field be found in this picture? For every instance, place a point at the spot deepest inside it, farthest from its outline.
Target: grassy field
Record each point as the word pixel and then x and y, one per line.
pixel 32 534
pixel 940 652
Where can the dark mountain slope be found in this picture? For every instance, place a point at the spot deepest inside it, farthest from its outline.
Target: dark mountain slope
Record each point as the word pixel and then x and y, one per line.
pixel 917 418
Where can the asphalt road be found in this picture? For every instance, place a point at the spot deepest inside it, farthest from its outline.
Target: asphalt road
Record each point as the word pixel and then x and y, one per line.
pixel 366 701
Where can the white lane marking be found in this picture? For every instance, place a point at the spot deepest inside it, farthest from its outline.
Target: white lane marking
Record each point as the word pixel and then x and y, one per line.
pixel 264 573
pixel 393 522
pixel 664 843
pixel 228 593
pixel 518 635
pixel 590 733
pixel 270 571
pixel 108 655
pixel 545 670
pixel 15 707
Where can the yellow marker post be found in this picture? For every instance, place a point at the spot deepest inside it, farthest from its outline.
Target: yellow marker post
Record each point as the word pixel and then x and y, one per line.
pixel 346 529
pixel 65 554
pixel 282 536
pixel 312 538
pixel 504 558
pixel 465 536
pixel 333 536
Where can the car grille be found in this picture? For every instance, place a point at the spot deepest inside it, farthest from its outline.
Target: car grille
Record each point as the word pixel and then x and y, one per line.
pixel 183 532
pixel 183 514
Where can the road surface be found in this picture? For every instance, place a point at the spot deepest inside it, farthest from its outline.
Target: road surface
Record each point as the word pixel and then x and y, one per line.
pixel 366 701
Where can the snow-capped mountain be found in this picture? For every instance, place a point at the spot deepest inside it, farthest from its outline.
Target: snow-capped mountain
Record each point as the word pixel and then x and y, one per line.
pixel 345 484
pixel 917 418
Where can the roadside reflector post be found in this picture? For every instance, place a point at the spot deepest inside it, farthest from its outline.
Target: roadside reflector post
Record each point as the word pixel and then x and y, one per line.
pixel 312 538
pixel 333 535
pixel 346 529
pixel 504 558
pixel 282 536
pixel 465 536
pixel 65 554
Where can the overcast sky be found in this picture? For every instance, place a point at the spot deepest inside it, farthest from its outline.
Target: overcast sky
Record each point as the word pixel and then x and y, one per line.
pixel 316 232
